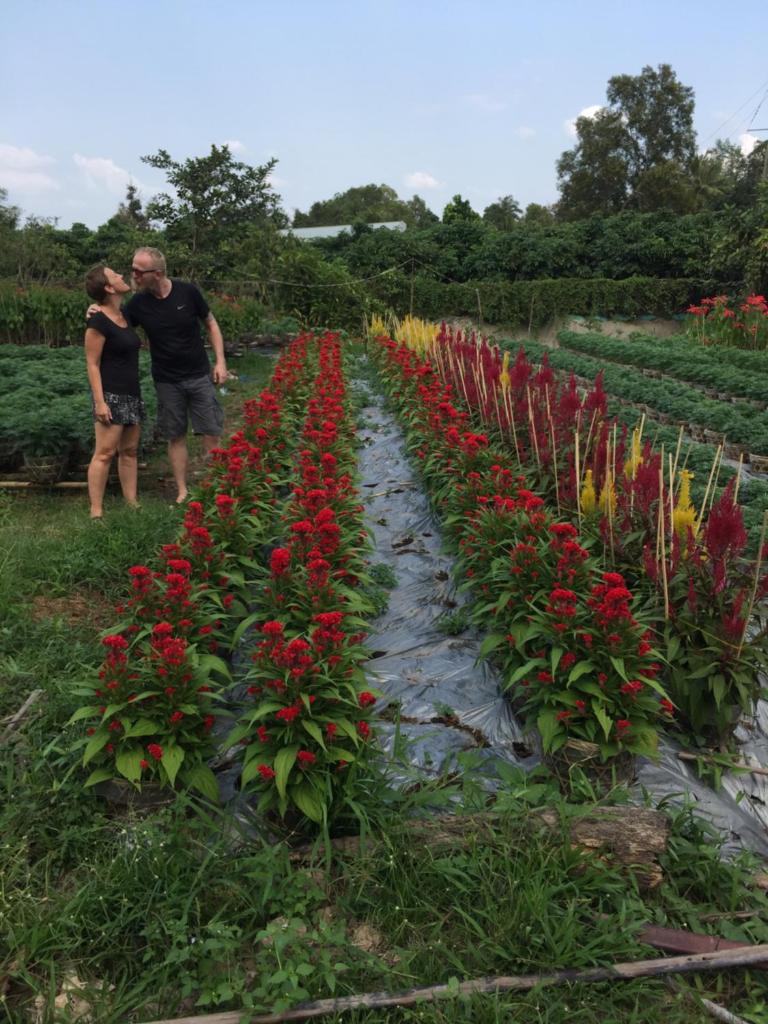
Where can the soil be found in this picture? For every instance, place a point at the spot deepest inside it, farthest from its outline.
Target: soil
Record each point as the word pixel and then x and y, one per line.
pixel 84 607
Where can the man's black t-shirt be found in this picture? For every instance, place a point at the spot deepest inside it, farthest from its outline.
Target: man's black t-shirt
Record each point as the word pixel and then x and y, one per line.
pixel 119 365
pixel 172 325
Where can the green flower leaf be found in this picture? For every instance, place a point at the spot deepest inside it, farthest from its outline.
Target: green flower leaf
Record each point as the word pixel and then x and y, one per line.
pixel 284 761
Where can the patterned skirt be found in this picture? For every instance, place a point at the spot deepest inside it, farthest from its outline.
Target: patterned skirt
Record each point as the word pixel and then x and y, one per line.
pixel 126 409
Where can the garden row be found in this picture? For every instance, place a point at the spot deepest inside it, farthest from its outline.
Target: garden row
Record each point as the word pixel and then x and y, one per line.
pixel 723 372
pixel 698 456
pixel 46 415
pixel 272 550
pixel 742 427
pixel 614 495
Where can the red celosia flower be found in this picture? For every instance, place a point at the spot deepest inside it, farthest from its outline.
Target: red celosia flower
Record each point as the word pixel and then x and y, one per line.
pixel 306 757
pixel 287 714
pixel 266 772
pixel 155 750
pixel 272 628
pixel 366 699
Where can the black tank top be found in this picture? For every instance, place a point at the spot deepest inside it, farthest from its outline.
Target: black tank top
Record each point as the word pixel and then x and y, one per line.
pixel 119 357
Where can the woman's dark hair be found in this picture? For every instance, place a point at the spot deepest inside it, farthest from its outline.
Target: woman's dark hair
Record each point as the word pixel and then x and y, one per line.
pixel 96 283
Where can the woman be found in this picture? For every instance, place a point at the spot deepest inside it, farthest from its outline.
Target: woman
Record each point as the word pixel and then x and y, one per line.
pixel 112 358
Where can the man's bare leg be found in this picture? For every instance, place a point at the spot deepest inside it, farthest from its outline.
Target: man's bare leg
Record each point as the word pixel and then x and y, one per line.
pixel 209 442
pixel 178 456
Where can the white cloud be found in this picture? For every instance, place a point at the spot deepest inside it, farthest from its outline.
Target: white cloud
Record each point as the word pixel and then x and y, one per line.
pixel 747 143
pixel 482 101
pixel 235 146
pixel 276 181
pixel 103 173
pixel 570 124
pixel 524 132
pixel 420 179
pixel 24 170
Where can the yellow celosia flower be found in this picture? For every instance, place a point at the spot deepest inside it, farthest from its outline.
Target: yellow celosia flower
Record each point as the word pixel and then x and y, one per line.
pixel 608 499
pixel 504 375
pixel 635 457
pixel 684 514
pixel 588 496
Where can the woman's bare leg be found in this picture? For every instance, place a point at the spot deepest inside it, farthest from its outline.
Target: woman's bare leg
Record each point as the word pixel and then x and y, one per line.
pixel 107 442
pixel 128 462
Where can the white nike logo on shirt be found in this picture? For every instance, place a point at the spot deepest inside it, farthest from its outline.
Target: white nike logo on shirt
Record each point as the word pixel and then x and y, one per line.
pixel 181 306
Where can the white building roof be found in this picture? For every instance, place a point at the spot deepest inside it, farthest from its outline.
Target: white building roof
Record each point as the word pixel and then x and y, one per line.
pixel 331 230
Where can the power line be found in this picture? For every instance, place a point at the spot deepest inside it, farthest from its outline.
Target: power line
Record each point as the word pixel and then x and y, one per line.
pixel 304 284
pixel 749 99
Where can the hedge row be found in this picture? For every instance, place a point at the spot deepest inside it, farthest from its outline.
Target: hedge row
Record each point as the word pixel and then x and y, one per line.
pixel 538 302
pixel 56 316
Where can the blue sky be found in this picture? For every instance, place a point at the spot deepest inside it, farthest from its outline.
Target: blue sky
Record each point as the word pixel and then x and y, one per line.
pixel 429 97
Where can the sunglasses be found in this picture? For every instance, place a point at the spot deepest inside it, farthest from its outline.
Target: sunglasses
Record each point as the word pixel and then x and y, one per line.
pixel 140 273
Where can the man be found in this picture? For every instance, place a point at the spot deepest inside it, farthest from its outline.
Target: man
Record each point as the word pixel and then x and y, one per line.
pixel 171 311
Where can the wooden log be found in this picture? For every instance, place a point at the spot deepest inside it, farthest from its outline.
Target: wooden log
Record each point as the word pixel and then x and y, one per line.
pixel 726 960
pixel 631 836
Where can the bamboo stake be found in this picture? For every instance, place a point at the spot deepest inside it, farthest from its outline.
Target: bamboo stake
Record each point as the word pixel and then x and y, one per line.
pixel 671 508
pixel 758 564
pixel 657 968
pixel 511 416
pixel 533 426
pixel 496 406
pixel 554 448
pixel 677 453
pixel 578 474
pixel 663 541
pixel 660 508
pixel 738 478
pixel 712 476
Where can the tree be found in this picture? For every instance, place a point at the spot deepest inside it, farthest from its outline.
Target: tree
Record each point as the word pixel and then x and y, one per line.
pixel 503 214
pixel 9 222
pixel 370 204
pixel 131 210
pixel 420 215
pixel 459 210
pixel 634 151
pixel 535 213
pixel 217 199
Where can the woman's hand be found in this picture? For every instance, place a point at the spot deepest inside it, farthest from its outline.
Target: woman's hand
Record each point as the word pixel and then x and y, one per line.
pixel 92 310
pixel 102 412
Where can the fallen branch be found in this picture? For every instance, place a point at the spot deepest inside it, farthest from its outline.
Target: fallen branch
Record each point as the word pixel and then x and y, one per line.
pixel 753 769
pixel 17 717
pixel 519 983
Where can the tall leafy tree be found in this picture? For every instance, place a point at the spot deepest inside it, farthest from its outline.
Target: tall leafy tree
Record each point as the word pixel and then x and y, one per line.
pixel 370 204
pixel 459 209
pixel 216 200
pixel 635 152
pixel 503 214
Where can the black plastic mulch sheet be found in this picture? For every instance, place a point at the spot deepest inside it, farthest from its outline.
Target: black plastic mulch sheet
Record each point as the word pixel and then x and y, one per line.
pixel 449 702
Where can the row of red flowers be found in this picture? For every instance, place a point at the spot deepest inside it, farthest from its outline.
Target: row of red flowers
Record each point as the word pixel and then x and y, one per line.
pixel 152 705
pixel 307 736
pixel 690 570
pixel 576 658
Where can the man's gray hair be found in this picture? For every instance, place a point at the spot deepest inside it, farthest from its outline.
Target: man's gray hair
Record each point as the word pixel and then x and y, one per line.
pixel 158 259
